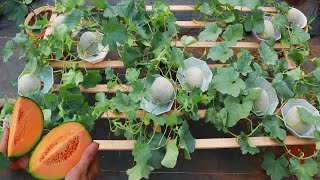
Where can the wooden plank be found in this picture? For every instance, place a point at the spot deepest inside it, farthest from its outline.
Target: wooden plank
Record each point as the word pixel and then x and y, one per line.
pixel 100 88
pixel 213 143
pixel 247 45
pixel 190 24
pixel 190 8
pixel 116 64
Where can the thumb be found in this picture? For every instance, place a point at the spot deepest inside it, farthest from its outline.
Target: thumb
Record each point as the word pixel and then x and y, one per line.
pixel 4 141
pixel 88 156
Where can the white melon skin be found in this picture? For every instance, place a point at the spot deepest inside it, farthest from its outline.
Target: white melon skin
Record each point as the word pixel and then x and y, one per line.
pixel 296 17
pixel 161 91
pixel 89 43
pixel 261 104
pixel 294 122
pixel 268 30
pixel 194 77
pixel 58 21
pixel 28 83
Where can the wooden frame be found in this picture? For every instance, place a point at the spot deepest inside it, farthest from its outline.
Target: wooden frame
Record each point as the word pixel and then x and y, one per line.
pixel 210 143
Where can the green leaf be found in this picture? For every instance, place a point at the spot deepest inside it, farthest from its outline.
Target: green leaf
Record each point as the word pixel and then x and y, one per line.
pixel 73 19
pixel 275 127
pixel 130 56
pixel 188 40
pixel 282 88
pixel 4 161
pixel 305 171
pixel 114 32
pixel 243 65
pixel 268 54
pixel 8 51
pixel 246 3
pixel 211 33
pixel 141 152
pixel 99 4
pixel 206 9
pixel 51 101
pixel 221 52
pixel 139 171
pixel 237 109
pixel 132 74
pixel 72 77
pixel 91 79
pixel 171 156
pixel 255 21
pixel 299 36
pixel 186 140
pixel 279 22
pixel 246 146
pixel 233 33
pixel 309 118
pixel 123 103
pixel 276 168
pixel 227 81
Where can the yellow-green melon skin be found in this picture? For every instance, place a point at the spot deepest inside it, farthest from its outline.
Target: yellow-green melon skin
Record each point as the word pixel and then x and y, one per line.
pixel 28 83
pixel 89 43
pixel 194 77
pixel 59 151
pixel 294 122
pixel 261 104
pixel 161 91
pixel 268 30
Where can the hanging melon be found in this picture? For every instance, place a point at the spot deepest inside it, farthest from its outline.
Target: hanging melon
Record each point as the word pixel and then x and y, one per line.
pixel 59 151
pixel 25 127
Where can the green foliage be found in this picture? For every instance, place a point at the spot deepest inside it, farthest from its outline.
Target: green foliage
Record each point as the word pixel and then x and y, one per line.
pixel 4 161
pixel 211 33
pixel 276 168
pixel 304 171
pixel 246 146
pixel 220 52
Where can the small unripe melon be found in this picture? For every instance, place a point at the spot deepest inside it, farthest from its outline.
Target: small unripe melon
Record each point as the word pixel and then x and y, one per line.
pixel 261 104
pixel 294 122
pixel 28 83
pixel 58 21
pixel 194 77
pixel 89 43
pixel 161 91
pixel 268 30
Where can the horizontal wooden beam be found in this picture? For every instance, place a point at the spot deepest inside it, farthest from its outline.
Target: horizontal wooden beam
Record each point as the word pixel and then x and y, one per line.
pixel 247 45
pixel 99 88
pixel 213 143
pixel 116 64
pixel 190 8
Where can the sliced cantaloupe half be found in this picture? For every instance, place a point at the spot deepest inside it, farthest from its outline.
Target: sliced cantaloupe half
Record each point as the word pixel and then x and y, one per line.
pixel 59 151
pixel 25 127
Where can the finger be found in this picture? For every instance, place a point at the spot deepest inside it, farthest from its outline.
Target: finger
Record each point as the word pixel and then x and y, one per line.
pixel 88 156
pixel 94 168
pixel 4 141
pixel 20 163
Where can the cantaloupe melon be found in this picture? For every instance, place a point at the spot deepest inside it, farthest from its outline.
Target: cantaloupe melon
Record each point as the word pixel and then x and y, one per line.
pixel 58 21
pixel 268 30
pixel 28 83
pixel 294 121
pixel 161 90
pixel 59 151
pixel 261 104
pixel 25 127
pixel 89 43
pixel 194 77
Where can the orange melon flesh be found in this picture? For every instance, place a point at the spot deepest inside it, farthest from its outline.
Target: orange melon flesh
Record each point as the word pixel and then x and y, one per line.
pixel 25 127
pixel 59 151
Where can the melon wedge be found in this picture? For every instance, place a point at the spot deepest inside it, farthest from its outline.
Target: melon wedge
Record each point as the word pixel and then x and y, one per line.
pixel 25 127
pixel 59 151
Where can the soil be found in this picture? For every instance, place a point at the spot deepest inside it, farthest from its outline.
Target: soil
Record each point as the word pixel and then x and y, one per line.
pixel 40 17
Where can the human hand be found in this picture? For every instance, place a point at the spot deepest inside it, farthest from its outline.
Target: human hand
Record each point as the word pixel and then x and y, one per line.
pixel 18 163
pixel 88 167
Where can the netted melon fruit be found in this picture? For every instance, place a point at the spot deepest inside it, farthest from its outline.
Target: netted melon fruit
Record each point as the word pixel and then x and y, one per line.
pixel 161 90
pixel 59 151
pixel 194 77
pixel 28 83
pixel 293 120
pixel 261 104
pixel 89 43
pixel 268 30
pixel 296 17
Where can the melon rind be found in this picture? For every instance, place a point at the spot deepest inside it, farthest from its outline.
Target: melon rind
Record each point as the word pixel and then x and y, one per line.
pixel 44 143
pixel 38 137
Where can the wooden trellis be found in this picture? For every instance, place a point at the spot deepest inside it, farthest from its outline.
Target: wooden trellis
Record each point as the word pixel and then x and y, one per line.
pixel 209 143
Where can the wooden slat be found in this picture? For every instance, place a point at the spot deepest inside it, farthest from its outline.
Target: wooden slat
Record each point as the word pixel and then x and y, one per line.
pixel 116 64
pixel 247 45
pixel 190 24
pixel 190 8
pixel 213 143
pixel 100 88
